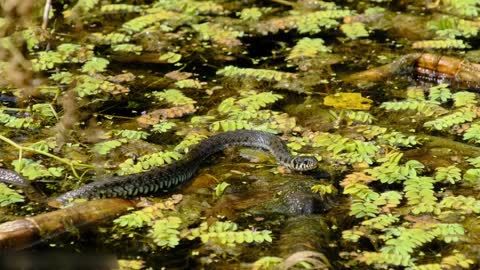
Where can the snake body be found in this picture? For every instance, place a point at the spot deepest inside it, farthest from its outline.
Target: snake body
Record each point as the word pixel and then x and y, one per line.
pixel 168 177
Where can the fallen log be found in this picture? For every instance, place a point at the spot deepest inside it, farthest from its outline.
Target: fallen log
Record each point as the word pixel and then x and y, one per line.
pixel 458 72
pixel 23 233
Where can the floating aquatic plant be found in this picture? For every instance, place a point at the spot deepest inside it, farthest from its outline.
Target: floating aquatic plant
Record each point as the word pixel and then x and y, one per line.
pixel 9 196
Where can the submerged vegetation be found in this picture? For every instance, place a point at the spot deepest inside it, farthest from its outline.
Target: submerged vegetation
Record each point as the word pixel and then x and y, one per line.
pixel 98 88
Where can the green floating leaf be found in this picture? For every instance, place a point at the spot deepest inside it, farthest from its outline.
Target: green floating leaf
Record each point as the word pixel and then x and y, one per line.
pixel 354 30
pixel 65 53
pixel 174 97
pixel 360 117
pixel 230 125
pixel 131 134
pixel 219 34
pixel 323 189
pixel 475 162
pixel 189 7
pixel 352 235
pixel 440 93
pixel 104 148
pixel 381 222
pixel 120 8
pixel 420 194
pixel 189 140
pixel 450 27
pixel 250 14
pixel 147 162
pixel 163 126
pixel 398 139
pixel 427 108
pixel 450 174
pixel 110 38
pixel 389 199
pixel 473 133
pixel 466 205
pixel 449 232
pixel 361 209
pixel 170 57
pixel 261 74
pixel 62 77
pixel 308 48
pixel 455 118
pixel 32 169
pixel 463 98
pixel 19 123
pixel 142 22
pixel 137 219
pixel 391 171
pixel 466 8
pixel 313 22
pixel 472 177
pixel 165 232
pixel 130 48
pixel 82 7
pixel 220 188
pixel 9 196
pixel 95 65
pixel 189 83
pixel 440 44
pixel 226 233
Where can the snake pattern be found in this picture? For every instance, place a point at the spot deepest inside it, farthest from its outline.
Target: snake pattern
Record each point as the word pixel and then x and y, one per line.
pixel 164 179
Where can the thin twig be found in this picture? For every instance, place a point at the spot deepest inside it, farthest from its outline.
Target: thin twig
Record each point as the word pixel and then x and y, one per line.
pixel 284 2
pixel 46 12
pixel 71 164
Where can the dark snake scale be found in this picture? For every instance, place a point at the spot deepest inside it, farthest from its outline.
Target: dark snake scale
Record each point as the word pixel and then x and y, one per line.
pixel 168 177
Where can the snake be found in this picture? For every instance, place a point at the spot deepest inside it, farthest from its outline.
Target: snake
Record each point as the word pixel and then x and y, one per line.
pixel 166 178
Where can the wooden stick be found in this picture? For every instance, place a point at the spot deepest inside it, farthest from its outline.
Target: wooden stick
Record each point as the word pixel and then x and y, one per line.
pixel 46 12
pixel 23 233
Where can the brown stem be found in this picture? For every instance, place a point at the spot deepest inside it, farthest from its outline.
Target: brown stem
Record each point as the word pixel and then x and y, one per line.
pixel 23 233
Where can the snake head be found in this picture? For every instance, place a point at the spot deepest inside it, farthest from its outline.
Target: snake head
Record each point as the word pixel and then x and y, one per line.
pixel 306 163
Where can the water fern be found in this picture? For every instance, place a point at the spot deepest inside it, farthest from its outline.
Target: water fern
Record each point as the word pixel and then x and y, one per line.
pixel 260 74
pixel 308 48
pixel 127 48
pixel 139 23
pixel 420 194
pixel 450 174
pixel 120 8
pixel 313 22
pixel 173 96
pixel 230 125
pixel 227 233
pixel 9 196
pixel 147 162
pixel 354 30
pixel 440 44
pixel 459 117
